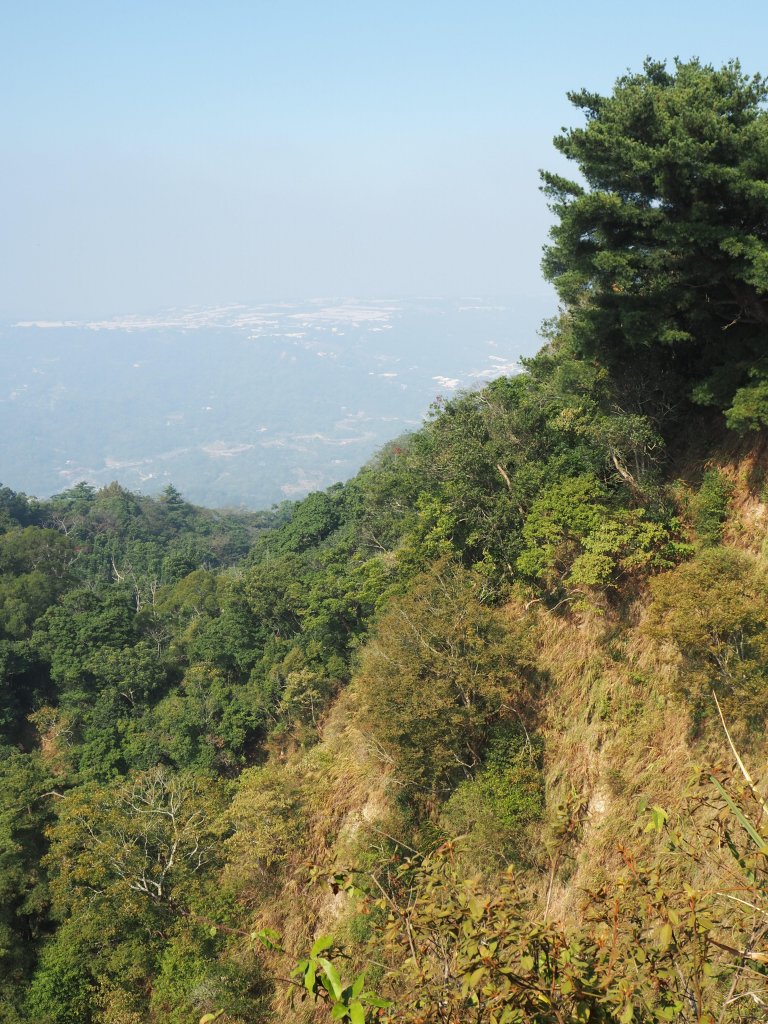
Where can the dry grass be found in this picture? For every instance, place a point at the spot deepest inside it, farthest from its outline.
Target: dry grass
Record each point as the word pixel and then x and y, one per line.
pixel 614 732
pixel 344 793
pixel 616 729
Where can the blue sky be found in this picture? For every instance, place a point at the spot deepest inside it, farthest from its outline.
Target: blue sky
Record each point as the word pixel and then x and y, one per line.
pixel 166 153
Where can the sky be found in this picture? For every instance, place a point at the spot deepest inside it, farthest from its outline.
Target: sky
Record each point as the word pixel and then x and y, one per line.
pixel 159 153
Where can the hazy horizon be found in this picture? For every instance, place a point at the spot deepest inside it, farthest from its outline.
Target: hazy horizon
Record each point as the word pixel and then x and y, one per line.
pixel 163 161
pixel 177 155
pixel 240 405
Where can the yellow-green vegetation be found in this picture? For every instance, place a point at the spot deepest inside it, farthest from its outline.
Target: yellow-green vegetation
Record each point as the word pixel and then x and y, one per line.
pixel 469 737
pixel 713 611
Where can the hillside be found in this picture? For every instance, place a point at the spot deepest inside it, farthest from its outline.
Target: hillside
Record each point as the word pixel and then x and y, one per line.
pixel 468 724
pixel 367 683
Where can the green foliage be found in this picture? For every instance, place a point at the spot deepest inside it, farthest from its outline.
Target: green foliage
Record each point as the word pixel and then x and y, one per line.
pixel 496 809
pixel 63 990
pixel 267 824
pixel 439 671
pixel 714 611
pixel 471 953
pixel 73 635
pixel 134 848
pixel 749 408
pixel 312 521
pixel 577 535
pixel 320 978
pixel 129 863
pixel 193 981
pixel 24 814
pixel 710 506
pixel 205 723
pixel 16 509
pixel 381 499
pixel 664 250
pixel 485 455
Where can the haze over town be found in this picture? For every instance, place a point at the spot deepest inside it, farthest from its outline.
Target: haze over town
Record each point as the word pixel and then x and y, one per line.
pixel 230 169
pixel 237 405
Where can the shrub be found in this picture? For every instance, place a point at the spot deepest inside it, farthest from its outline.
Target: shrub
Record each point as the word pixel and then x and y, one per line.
pixel 714 611
pixel 498 806
pixel 439 671
pixel 710 506
pixel 578 536
pixel 268 824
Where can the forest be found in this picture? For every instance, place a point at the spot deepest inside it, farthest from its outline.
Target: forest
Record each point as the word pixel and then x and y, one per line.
pixel 472 737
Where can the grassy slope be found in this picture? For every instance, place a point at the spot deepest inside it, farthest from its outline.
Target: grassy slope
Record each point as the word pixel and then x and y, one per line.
pixel 617 732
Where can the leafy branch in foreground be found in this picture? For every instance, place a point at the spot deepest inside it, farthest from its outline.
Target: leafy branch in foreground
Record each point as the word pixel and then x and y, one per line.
pixel 654 946
pixel 321 979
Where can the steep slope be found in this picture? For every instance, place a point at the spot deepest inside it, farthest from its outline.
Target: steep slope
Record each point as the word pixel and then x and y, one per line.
pixel 470 722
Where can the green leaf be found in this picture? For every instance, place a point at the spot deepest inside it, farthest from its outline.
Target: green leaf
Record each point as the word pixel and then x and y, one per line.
pixel 208 1018
pixel 357 985
pixel 658 819
pixel 356 1012
pixel 476 908
pixel 310 978
pixel 268 937
pixel 213 931
pixel 332 975
pixel 746 825
pixel 475 976
pixel 300 968
pixel 323 943
pixel 339 1011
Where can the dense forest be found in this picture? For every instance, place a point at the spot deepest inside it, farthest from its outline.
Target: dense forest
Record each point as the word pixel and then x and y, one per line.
pixel 469 738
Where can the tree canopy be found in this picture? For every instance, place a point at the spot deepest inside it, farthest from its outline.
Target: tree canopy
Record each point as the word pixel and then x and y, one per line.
pixel 660 254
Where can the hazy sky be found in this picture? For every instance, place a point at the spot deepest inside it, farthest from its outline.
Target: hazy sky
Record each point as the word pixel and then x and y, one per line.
pixel 159 153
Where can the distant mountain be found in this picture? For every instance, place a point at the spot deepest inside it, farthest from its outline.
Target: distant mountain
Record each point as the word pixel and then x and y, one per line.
pixel 240 405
